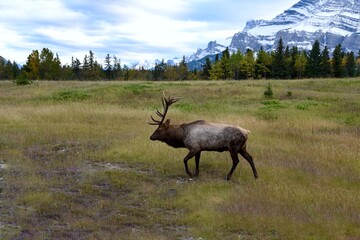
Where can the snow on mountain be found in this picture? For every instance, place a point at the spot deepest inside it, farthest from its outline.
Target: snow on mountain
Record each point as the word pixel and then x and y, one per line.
pixel 174 61
pixel 143 64
pixel 213 48
pixel 329 21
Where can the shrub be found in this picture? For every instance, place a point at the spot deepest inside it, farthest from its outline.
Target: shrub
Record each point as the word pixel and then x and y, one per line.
pixel 22 81
pixel 268 92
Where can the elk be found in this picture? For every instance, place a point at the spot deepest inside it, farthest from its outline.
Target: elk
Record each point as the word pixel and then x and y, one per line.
pixel 201 136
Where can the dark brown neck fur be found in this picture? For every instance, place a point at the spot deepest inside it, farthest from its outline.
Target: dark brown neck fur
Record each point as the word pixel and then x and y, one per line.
pixel 176 136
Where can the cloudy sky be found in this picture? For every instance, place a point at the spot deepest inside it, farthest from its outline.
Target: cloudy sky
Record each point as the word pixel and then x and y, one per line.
pixel 133 30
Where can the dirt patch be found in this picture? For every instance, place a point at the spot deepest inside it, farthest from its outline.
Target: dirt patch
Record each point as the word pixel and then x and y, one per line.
pixel 66 192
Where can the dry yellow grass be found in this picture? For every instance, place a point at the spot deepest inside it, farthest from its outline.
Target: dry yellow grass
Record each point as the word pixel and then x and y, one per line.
pixel 80 165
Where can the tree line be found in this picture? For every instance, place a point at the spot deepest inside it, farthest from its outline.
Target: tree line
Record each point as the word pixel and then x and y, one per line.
pixel 282 63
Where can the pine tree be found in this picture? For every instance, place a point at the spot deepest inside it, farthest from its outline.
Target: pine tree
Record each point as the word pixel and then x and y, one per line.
pixel 225 65
pixel 314 59
pixel 325 63
pixel 108 67
pixel 250 64
pixel 350 65
pixel 337 62
pixel 216 72
pixel 117 68
pixel 294 54
pixel 159 70
pixel 76 66
pixel 2 68
pixel 86 68
pixel 206 68
pixel 236 60
pixel 15 70
pixel 91 60
pixel 279 64
pixel 183 71
pixel 263 64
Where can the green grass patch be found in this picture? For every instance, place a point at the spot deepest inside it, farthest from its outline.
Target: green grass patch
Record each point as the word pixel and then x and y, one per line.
pixel 71 95
pixel 76 161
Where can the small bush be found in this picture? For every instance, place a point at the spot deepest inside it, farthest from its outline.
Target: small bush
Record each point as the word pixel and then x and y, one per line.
pixel 22 81
pixel 268 92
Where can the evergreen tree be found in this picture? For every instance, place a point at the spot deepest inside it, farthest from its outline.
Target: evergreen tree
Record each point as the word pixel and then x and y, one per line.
pixel 15 70
pixel 91 61
pixel 279 64
pixel 225 65
pixel 183 71
pixel 2 68
pixel 226 53
pixel 126 73
pixel 216 58
pixel 108 67
pixel 337 68
pixel 358 65
pixel 235 64
pixel 325 63
pixel 294 54
pixel 86 68
pixel 206 68
pixel 216 72
pixel 8 70
pixel 76 67
pixel 117 68
pixel 263 64
pixel 314 60
pixel 159 70
pixel 350 65
pixel 250 64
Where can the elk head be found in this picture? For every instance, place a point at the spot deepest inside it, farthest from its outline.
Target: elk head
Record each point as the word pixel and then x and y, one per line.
pixel 160 132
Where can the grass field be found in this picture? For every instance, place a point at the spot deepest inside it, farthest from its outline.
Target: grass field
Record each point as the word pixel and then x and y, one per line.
pixel 76 162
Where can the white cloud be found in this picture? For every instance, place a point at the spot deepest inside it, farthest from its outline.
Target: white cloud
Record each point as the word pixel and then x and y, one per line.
pixel 131 29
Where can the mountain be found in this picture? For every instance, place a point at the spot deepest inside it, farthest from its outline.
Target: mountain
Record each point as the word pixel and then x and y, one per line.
pixel 213 48
pixel 331 22
pixel 145 64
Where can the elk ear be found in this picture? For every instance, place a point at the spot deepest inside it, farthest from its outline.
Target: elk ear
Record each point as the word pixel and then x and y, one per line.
pixel 167 123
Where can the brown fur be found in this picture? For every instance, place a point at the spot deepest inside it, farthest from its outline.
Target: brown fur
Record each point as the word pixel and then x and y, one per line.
pixel 201 136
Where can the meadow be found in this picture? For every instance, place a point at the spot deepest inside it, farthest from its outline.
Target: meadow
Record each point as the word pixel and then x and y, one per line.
pixel 76 161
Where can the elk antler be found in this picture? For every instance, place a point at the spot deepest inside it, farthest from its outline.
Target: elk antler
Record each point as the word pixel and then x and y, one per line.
pixel 166 102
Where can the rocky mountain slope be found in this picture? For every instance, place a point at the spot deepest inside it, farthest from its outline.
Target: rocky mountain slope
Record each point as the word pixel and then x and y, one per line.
pixel 331 22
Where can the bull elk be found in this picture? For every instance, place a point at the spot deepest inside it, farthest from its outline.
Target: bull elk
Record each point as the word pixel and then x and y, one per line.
pixel 201 136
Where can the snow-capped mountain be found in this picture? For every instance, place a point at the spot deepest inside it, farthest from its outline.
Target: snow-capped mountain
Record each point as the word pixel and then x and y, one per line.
pixel 145 64
pixel 329 21
pixel 213 48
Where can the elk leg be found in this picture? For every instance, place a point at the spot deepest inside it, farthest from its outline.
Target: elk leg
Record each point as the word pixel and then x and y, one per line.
pixel 248 158
pixel 190 155
pixel 235 160
pixel 197 161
